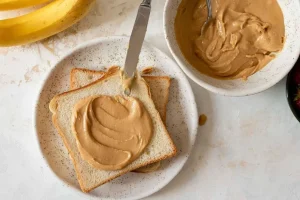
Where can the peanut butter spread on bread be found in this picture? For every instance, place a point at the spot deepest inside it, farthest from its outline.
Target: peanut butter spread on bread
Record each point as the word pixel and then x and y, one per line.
pixel 111 132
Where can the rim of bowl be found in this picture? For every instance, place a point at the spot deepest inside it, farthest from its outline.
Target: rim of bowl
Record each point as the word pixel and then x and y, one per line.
pixel 209 87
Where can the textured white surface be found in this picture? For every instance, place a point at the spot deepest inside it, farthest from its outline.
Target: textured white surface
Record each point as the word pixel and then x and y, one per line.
pixel 249 148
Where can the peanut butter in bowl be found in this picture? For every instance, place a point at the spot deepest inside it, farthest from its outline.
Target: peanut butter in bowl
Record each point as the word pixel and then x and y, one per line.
pixel 242 37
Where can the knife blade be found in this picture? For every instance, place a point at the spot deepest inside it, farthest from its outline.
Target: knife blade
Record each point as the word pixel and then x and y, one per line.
pixel 137 38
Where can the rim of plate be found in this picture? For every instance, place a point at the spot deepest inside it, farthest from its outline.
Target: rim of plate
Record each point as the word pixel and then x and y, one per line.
pixel 192 132
pixel 209 87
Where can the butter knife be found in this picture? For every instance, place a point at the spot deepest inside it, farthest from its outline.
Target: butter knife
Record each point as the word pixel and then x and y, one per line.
pixel 137 38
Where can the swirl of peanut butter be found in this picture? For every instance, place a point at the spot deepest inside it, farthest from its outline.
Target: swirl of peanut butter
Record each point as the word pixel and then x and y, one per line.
pixel 111 132
pixel 241 38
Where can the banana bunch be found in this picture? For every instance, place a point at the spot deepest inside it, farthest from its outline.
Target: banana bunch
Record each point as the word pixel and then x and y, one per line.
pixel 53 18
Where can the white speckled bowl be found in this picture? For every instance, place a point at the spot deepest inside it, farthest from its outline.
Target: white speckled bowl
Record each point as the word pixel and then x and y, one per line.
pixel 262 80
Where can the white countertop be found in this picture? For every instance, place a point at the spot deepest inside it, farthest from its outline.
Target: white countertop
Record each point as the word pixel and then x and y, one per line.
pixel 248 149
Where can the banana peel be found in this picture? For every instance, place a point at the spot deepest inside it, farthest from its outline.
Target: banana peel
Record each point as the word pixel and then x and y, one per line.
pixel 40 24
pixel 17 4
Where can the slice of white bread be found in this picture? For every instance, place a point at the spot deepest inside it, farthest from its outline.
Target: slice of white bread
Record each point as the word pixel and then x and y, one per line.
pixel 160 147
pixel 159 88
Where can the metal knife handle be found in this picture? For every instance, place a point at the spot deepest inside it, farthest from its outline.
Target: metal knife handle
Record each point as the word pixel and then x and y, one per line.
pixel 146 3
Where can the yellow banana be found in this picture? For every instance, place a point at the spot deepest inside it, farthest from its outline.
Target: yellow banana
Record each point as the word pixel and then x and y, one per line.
pixel 49 20
pixel 16 4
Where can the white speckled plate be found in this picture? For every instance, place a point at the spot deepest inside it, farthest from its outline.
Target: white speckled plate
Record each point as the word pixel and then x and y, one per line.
pixel 260 81
pixel 182 117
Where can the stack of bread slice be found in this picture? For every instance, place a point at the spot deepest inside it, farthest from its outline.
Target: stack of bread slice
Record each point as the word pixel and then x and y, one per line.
pixel 153 93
